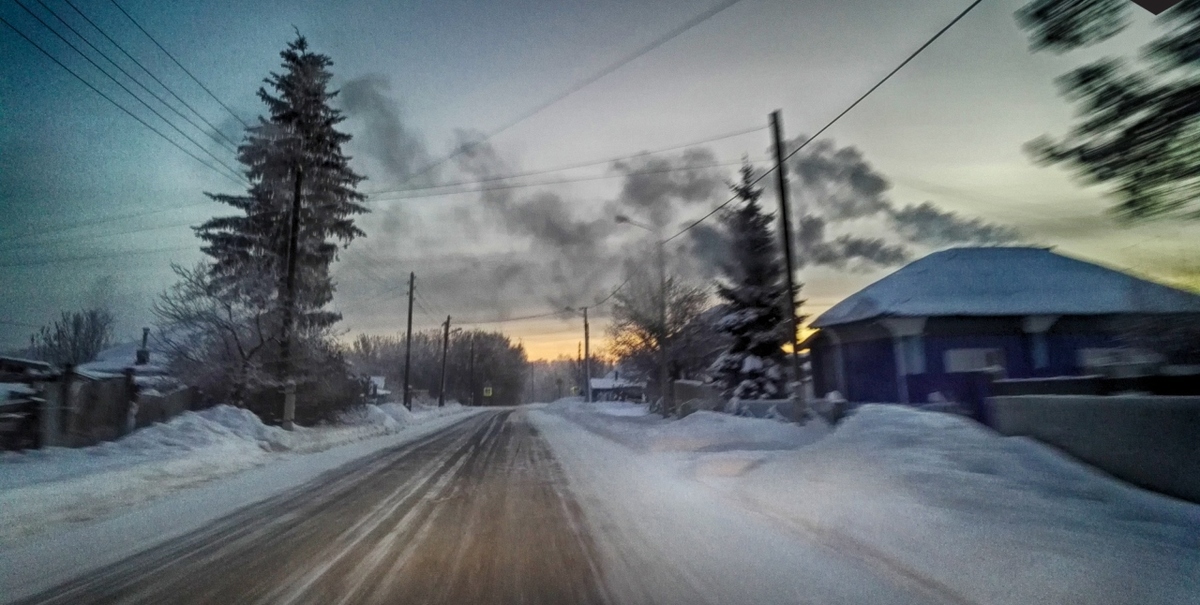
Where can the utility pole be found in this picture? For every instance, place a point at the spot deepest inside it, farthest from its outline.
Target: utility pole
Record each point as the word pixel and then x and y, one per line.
pixel 289 308
pixel 412 282
pixel 786 233
pixel 471 374
pixel 445 346
pixel 587 356
pixel 664 373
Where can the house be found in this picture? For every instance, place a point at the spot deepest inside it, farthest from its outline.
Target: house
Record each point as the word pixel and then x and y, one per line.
pixel 944 325
pixel 614 388
pixel 378 392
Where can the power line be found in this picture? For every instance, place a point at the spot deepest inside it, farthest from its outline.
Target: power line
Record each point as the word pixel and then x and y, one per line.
pixel 839 116
pixel 92 237
pixel 512 319
pixel 558 181
pixel 150 73
pixel 614 292
pixel 886 78
pixel 718 208
pixel 180 65
pixel 70 259
pixel 118 82
pixel 130 76
pixel 587 164
pixel 118 105
pixel 18 324
pixel 661 40
pixel 101 221
pixel 110 219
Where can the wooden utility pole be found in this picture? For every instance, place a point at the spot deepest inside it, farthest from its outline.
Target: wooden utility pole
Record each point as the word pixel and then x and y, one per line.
pixel 587 356
pixel 412 282
pixel 445 347
pixel 785 232
pixel 664 371
pixel 471 373
pixel 289 308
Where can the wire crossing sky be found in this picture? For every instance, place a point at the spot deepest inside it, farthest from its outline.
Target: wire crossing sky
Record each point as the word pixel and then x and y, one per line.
pixel 500 139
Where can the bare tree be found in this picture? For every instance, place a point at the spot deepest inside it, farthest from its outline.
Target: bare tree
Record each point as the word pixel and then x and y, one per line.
pixel 77 337
pixel 637 333
pixel 214 340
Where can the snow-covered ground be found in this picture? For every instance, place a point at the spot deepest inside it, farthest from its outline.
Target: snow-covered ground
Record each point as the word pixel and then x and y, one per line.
pixel 955 511
pixel 44 489
pixel 632 425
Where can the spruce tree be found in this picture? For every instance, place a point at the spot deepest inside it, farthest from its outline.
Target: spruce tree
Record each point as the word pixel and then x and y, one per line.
pixel 298 141
pixel 754 293
pixel 1137 129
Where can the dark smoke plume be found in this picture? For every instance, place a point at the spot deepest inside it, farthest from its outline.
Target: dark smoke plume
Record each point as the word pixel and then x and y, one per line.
pixel 655 186
pixel 837 187
pixel 400 151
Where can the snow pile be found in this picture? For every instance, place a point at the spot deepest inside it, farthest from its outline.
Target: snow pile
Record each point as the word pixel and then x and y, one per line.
pixel 42 488
pixel 987 518
pixel 632 425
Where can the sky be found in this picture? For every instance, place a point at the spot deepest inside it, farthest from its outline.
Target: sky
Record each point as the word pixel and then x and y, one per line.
pixel 97 207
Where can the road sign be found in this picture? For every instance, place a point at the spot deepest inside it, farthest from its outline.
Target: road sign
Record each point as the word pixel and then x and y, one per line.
pixel 487 391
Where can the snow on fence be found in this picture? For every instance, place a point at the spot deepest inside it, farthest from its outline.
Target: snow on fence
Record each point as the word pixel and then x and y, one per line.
pixel 79 409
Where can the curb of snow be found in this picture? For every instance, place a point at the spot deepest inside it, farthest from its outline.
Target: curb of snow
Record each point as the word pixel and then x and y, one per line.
pixel 44 489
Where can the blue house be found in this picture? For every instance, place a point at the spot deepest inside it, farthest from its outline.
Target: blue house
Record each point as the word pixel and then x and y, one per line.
pixel 950 321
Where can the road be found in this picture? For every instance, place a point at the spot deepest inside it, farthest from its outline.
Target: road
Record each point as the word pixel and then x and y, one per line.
pixel 481 512
pixel 477 513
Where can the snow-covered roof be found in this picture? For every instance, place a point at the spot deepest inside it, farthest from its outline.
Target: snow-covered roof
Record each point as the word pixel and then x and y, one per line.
pixel 1006 281
pixel 116 358
pixel 608 384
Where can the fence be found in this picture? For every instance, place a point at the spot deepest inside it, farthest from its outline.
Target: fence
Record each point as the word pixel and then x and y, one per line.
pixel 73 409
pixel 1149 441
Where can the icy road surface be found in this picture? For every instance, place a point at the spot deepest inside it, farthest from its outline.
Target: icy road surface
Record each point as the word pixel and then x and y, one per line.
pixel 483 512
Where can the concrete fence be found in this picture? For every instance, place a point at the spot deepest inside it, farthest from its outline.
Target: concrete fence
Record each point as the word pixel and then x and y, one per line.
pixel 1149 441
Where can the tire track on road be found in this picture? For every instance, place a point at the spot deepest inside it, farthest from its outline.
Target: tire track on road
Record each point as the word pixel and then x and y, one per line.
pixel 475 513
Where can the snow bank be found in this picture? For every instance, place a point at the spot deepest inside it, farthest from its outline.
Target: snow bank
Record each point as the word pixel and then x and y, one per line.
pixel 632 425
pixel 991 519
pixel 44 488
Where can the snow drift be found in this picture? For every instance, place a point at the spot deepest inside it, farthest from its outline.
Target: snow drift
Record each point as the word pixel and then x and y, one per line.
pixel 991 519
pixel 632 425
pixel 40 489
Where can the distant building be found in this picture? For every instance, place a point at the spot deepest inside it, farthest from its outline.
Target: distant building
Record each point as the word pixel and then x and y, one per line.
pixel 614 388
pixel 941 326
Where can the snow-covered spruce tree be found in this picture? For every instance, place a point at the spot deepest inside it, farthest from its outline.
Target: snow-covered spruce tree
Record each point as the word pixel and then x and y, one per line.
pixel 297 147
pixel 754 293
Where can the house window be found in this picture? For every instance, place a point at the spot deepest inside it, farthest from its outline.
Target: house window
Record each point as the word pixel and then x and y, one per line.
pixel 973 360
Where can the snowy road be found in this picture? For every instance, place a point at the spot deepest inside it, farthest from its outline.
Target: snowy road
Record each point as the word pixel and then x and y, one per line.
pixel 503 507
pixel 473 514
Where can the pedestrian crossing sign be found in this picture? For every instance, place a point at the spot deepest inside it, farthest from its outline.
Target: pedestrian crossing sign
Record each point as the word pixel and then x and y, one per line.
pixel 487 391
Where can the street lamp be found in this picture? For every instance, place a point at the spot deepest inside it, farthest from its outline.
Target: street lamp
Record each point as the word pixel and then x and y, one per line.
pixel 663 370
